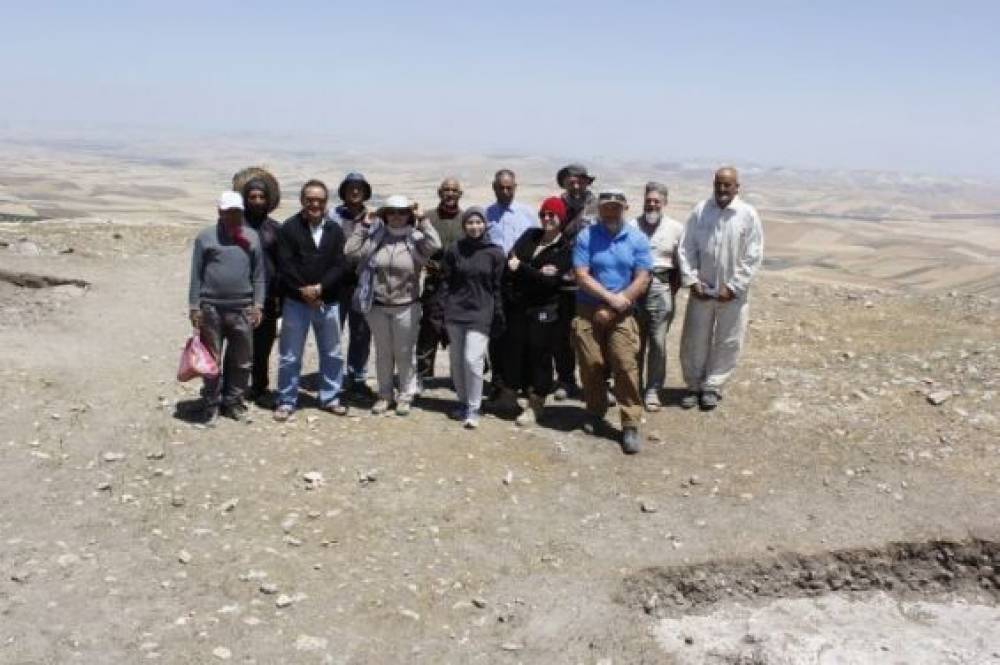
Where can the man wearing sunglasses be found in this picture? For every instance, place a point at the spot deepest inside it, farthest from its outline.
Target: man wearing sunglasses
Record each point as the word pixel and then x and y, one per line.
pixel 612 262
pixel 312 265
pixel 719 253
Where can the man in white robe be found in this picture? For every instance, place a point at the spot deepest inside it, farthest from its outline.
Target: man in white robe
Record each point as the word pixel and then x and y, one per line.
pixel 719 253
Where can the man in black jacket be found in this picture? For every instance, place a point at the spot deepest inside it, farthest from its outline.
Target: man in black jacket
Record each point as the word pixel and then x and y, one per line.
pixel 259 202
pixel 311 265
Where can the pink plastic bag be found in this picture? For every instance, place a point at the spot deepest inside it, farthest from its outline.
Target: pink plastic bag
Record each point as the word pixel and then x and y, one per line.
pixel 196 360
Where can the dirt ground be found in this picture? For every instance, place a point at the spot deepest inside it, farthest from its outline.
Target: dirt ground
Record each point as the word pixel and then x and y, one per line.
pixel 129 534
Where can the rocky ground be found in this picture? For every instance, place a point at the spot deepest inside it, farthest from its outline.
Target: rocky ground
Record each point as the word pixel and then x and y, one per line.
pixel 858 418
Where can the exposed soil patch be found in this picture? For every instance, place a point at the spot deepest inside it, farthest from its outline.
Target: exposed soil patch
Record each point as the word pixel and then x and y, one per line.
pixel 905 569
pixel 36 281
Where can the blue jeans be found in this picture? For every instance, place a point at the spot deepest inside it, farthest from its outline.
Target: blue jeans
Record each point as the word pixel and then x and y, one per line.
pixel 360 339
pixel 296 318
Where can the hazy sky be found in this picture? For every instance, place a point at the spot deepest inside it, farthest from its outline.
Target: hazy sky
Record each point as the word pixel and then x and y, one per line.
pixel 911 86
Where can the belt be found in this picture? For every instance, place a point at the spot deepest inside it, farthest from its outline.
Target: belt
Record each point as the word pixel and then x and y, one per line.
pixel 394 304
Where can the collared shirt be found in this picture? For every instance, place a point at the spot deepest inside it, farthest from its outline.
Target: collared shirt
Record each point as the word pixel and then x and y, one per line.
pixel 613 261
pixel 317 232
pixel 721 245
pixel 506 223
pixel 663 239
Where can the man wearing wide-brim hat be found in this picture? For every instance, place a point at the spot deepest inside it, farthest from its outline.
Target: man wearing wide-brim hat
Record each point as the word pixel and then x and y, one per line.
pixel 612 261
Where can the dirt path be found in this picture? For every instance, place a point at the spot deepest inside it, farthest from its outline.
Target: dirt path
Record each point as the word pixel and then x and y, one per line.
pixel 126 534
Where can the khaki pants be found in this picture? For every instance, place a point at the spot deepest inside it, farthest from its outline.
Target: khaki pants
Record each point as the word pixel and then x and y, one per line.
pixel 614 346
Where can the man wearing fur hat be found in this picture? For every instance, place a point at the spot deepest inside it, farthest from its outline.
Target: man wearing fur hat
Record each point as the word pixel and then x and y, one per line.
pixel 354 192
pixel 259 201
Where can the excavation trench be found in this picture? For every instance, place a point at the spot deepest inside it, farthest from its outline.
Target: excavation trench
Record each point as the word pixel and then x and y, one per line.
pixel 908 570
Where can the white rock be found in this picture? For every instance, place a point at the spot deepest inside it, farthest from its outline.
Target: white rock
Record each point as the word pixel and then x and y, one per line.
pixel 222 653
pixel 310 643
pixel 184 556
pixel 112 456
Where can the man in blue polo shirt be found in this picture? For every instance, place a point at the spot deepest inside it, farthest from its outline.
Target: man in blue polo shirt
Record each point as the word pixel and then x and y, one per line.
pixel 612 261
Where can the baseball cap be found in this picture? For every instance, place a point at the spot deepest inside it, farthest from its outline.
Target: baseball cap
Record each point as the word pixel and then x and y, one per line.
pixel 230 201
pixel 611 195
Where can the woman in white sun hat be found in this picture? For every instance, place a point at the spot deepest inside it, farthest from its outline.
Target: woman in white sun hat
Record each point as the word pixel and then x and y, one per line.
pixel 391 250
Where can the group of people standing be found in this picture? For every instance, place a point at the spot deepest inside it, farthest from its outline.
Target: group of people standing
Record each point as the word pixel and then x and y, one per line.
pixel 529 296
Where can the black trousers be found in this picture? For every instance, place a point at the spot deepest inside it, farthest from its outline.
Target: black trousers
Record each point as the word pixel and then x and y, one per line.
pixel 565 357
pixel 263 342
pixel 431 335
pixel 528 348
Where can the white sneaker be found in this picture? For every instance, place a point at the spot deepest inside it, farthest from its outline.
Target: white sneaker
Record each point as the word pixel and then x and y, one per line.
pixel 471 420
pixel 380 407
pixel 652 401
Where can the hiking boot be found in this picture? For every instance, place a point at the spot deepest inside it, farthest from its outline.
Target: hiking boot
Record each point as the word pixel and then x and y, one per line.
pixel 359 389
pixel 210 416
pixel 283 413
pixel 652 401
pixel 690 399
pixel 238 412
pixel 631 442
pixel 402 408
pixel 709 400
pixel 380 407
pixel 593 425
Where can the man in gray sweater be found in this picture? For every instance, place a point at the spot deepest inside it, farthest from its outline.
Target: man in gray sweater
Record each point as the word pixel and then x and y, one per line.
pixel 226 298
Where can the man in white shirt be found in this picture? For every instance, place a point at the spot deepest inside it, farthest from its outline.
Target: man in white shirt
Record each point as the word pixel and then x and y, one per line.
pixel 720 251
pixel 656 309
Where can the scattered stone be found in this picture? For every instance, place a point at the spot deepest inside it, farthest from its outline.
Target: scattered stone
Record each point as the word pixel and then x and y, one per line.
pixel 648 507
pixel 694 480
pixel 939 397
pixel 269 588
pixel 310 643
pixel 508 477
pixel 222 653
pixel 176 501
pixel 104 487
pixel 511 646
pixel 284 600
pixel 66 560
pixel 479 602
pixel 229 506
pixel 156 455
pixel 651 603
pixel 184 556
pixel 112 456
pixel 409 614
pixel 313 479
